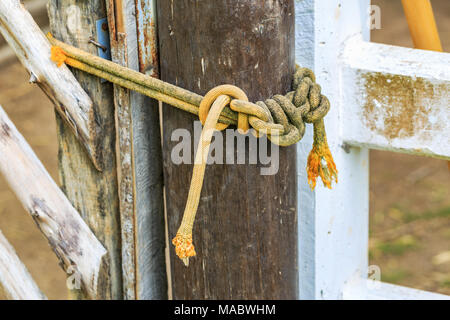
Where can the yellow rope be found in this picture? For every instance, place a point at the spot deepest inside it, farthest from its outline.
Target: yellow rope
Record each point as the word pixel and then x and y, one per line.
pixel 183 240
pixel 282 118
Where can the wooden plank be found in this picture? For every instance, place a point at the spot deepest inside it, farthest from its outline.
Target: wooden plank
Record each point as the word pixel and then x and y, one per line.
pixel 94 194
pixel 33 50
pixel 246 227
pixel 333 236
pixel 70 238
pixel 139 154
pixel 119 34
pixel 16 282
pixel 397 98
pixel 148 172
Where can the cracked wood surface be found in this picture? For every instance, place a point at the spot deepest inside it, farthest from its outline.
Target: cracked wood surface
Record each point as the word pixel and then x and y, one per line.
pixel 79 251
pixel 94 194
pixel 246 227
pixel 70 100
pixel 139 154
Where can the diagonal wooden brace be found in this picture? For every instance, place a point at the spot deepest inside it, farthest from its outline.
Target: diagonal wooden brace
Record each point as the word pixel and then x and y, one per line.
pixel 81 254
pixel 33 50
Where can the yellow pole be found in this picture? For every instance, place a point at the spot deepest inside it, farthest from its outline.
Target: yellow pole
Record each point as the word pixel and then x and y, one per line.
pixel 422 25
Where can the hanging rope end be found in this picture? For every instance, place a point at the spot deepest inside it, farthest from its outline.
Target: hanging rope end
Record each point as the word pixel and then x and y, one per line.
pixel 321 163
pixel 184 248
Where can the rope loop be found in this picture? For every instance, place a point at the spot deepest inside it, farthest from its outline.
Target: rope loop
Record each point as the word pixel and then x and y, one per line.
pixel 213 94
pixel 282 118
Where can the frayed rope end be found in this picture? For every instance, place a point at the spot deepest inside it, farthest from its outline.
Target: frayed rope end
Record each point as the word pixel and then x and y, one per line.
pixel 184 247
pixel 321 163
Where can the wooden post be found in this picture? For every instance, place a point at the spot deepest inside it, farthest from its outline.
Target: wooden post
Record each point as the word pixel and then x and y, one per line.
pixel 246 227
pixel 94 194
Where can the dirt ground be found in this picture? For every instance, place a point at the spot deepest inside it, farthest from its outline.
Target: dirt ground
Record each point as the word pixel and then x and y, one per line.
pixel 409 195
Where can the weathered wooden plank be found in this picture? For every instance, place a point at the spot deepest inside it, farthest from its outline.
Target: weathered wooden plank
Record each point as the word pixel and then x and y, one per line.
pixel 139 155
pixel 70 238
pixel 246 227
pixel 118 11
pixel 148 172
pixel 16 282
pixel 33 50
pixel 396 98
pixel 94 194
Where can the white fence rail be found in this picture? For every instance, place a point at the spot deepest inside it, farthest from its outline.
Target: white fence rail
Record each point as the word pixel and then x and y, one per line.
pixel 395 98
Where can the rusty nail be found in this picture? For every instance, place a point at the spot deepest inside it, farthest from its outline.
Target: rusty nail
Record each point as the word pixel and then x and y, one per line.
pixel 95 43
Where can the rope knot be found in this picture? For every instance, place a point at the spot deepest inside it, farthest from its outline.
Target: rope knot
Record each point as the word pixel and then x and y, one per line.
pixel 232 92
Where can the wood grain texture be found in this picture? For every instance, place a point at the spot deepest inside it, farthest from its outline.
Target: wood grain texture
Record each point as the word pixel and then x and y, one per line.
pixel 94 194
pixel 139 155
pixel 68 235
pixel 148 171
pixel 16 282
pixel 33 51
pixel 119 36
pixel 246 227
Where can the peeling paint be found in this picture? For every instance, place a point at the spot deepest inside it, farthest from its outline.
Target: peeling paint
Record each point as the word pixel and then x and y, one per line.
pixel 399 106
pixel 147 39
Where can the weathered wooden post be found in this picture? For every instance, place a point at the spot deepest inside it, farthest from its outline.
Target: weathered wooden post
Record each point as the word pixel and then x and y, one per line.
pixel 246 228
pixel 124 203
pixel 93 193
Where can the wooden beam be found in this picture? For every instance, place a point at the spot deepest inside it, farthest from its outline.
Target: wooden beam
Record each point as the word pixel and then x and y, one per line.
pixel 16 282
pixel 33 50
pixel 70 238
pixel 139 155
pixel 396 98
pixel 94 194
pixel 246 227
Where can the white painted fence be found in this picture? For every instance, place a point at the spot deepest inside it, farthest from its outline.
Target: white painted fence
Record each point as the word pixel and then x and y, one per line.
pixel 383 97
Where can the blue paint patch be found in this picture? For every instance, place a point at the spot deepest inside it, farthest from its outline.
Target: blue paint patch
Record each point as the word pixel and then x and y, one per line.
pixel 103 38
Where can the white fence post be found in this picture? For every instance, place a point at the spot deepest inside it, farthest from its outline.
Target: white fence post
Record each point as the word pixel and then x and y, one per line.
pixel 333 224
pixel 372 88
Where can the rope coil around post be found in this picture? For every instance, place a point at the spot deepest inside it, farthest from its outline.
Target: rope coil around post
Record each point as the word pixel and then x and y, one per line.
pixel 281 118
pixel 305 104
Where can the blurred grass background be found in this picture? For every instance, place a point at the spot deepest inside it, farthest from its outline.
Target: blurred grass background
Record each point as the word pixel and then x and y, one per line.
pixel 409 195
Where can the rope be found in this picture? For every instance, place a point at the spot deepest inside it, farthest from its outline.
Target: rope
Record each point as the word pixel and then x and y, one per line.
pixel 281 118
